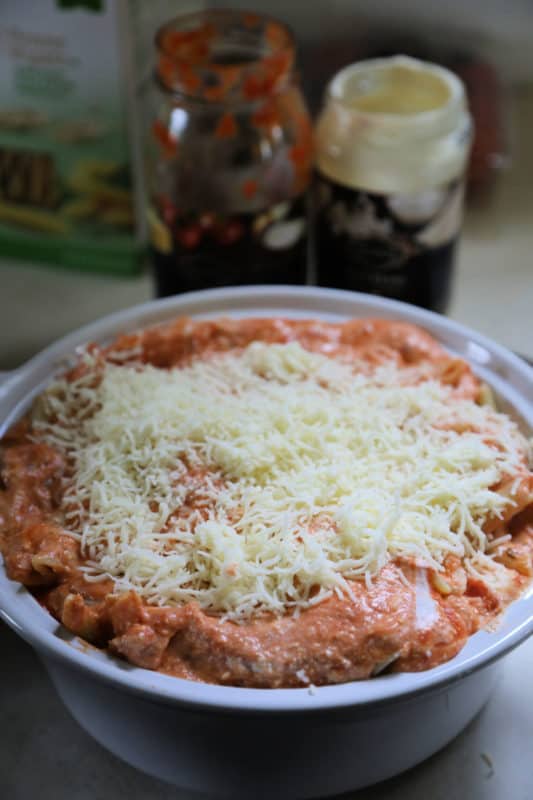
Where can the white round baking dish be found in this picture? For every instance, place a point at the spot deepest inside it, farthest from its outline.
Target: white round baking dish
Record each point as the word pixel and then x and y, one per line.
pixel 257 742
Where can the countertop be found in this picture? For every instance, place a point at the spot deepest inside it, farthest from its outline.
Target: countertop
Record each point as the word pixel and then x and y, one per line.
pixel 45 754
pixel 492 291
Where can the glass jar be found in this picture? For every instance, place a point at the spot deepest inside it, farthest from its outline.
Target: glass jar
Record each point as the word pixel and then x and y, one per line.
pixel 229 154
pixel 392 144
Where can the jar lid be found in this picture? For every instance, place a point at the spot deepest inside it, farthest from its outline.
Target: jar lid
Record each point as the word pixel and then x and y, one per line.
pixel 407 96
pixel 393 125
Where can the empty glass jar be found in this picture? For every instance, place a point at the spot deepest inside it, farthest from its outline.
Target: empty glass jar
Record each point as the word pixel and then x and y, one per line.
pixel 229 154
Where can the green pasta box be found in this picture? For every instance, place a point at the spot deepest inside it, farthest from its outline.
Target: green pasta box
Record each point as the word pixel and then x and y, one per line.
pixel 69 165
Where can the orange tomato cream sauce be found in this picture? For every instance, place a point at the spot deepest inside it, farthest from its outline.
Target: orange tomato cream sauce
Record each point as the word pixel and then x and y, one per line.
pixel 269 502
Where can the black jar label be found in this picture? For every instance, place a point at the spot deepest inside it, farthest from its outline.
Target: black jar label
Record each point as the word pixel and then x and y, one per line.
pixel 396 245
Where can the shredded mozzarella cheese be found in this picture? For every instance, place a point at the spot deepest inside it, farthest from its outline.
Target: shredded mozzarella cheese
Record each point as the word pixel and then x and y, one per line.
pixel 265 480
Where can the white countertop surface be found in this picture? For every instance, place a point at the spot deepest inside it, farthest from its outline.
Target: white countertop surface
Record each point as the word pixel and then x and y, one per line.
pixel 492 293
pixel 43 751
pixel 492 290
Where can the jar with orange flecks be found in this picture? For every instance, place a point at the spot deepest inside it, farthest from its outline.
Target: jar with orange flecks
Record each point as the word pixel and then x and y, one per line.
pixel 229 154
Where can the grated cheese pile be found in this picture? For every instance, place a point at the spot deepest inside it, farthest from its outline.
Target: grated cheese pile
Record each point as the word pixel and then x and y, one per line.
pixel 265 480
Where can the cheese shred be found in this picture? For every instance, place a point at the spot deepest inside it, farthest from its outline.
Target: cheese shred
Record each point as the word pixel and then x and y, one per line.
pixel 266 480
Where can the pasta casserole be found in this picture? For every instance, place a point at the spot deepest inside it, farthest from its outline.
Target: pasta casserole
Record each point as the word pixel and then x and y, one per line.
pixel 269 502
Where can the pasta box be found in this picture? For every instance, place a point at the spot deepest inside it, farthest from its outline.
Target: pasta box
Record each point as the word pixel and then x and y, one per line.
pixel 67 146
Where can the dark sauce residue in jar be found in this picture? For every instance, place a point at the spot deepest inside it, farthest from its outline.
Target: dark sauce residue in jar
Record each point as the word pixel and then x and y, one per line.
pixel 267 247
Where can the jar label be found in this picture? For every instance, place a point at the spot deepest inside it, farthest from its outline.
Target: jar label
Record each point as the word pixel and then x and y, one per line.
pixel 396 245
